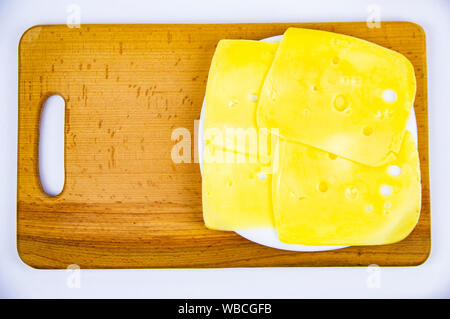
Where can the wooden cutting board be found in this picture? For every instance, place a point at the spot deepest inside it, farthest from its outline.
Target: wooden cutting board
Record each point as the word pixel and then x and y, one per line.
pixel 125 203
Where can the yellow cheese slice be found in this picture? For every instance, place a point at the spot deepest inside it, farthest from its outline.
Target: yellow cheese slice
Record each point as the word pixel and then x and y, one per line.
pixel 322 199
pixel 236 75
pixel 338 93
pixel 236 191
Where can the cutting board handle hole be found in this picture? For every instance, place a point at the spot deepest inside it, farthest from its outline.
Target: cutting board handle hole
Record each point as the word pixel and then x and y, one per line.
pixel 51 145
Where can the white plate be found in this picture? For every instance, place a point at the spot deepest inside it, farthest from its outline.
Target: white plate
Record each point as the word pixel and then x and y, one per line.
pixel 268 236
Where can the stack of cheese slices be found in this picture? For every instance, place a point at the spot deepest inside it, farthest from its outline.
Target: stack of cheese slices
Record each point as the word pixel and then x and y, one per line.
pixel 309 136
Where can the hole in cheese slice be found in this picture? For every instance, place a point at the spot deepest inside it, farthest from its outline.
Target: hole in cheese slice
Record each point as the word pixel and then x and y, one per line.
pixel 341 81
pixel 351 211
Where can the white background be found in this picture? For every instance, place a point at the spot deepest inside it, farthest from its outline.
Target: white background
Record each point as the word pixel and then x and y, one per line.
pixel 429 280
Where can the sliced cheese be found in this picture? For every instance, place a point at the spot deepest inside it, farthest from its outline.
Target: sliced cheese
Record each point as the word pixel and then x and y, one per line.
pixel 236 191
pixel 321 199
pixel 235 79
pixel 338 93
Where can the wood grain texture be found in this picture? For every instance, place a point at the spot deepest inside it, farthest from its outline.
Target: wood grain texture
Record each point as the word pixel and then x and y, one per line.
pixel 125 203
